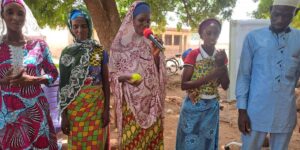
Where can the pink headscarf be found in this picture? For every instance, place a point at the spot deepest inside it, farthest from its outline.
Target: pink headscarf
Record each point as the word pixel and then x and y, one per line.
pixel 131 53
pixel 5 2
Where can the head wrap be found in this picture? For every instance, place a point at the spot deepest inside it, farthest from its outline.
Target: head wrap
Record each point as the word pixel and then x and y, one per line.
pixel 206 23
pixel 141 8
pixel 293 3
pixel 5 2
pixel 30 28
pixel 75 13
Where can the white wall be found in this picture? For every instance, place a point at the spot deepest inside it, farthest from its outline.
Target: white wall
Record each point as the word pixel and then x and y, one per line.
pixel 238 30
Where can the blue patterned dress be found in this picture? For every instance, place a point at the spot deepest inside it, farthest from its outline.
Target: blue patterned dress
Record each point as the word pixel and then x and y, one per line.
pixel 198 126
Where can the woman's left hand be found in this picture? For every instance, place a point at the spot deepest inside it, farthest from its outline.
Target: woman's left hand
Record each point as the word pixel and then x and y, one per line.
pixel 105 118
pixel 23 79
pixel 155 50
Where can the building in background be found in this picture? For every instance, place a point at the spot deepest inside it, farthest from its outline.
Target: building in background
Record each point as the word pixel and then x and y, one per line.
pixel 176 42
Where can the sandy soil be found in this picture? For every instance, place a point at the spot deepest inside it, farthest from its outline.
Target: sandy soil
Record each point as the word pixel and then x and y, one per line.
pixel 228 120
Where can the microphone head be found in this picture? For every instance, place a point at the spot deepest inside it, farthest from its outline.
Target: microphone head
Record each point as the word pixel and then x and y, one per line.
pixel 147 32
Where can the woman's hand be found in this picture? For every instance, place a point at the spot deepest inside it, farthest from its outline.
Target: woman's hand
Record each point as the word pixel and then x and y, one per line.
pixel 217 73
pixel 135 83
pixel 105 118
pixel 192 94
pixel 155 50
pixel 124 78
pixel 23 79
pixel 65 123
pixel 8 76
pixel 220 58
pixel 127 78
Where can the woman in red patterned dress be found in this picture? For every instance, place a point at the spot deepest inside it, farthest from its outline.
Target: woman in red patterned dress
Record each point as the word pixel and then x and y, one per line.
pixel 25 121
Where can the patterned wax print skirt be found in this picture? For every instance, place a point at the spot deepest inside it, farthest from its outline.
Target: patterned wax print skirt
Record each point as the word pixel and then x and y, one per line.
pixel 136 138
pixel 85 113
pixel 198 126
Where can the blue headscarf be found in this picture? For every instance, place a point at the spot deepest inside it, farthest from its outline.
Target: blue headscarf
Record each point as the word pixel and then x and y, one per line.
pixel 75 13
pixel 141 8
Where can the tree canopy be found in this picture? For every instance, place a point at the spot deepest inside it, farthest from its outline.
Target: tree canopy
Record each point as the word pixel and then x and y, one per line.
pixel 107 14
pixel 54 13
pixel 263 12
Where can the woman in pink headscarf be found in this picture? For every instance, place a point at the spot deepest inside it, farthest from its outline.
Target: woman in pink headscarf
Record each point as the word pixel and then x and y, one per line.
pixel 139 104
pixel 25 121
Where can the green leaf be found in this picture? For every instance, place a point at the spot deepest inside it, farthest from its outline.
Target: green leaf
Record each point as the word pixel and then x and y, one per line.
pixel 54 13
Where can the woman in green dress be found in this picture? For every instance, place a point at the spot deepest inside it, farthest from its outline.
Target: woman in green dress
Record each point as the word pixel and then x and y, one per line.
pixel 84 87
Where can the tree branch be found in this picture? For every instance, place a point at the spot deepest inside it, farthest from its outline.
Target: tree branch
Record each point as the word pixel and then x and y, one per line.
pixel 189 16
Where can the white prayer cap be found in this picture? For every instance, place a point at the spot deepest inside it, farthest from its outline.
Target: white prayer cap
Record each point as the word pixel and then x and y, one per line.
pixel 293 3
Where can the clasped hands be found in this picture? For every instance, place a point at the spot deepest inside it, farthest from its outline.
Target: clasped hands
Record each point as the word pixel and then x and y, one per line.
pixel 19 79
pixel 220 63
pixel 220 58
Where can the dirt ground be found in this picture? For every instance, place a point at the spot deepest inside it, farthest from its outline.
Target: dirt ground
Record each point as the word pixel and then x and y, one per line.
pixel 228 120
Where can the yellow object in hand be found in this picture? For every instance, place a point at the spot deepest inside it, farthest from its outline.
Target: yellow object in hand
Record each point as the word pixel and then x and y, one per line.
pixel 136 77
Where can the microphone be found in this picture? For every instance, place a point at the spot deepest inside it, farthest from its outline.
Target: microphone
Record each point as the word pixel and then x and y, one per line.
pixel 149 35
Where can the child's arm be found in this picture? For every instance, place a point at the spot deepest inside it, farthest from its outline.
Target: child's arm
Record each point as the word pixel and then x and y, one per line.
pixel 221 61
pixel 188 71
pixel 224 80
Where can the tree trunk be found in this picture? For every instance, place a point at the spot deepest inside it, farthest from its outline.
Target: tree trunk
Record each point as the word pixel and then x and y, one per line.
pixel 106 19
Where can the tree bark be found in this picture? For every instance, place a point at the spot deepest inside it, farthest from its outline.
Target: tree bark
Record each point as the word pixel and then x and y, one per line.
pixel 105 18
